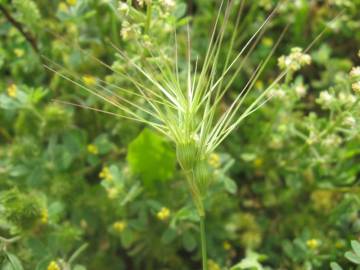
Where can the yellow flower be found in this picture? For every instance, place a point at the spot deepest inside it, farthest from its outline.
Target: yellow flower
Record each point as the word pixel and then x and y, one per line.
pixel 63 7
pixel 53 266
pixel 71 2
pixel 112 193
pixel 312 243
pixel 268 42
pixel 19 52
pixel 92 149
pixel 213 265
pixel 258 162
pixel 259 85
pixel 11 90
pixel 89 80
pixel 226 245
pixel 105 174
pixel 44 216
pixel 163 214
pixel 339 244
pixel 119 226
pixel 214 160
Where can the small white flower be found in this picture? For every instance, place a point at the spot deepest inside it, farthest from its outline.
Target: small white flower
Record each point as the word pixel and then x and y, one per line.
pixel 347 99
pixel 313 138
pixel 168 4
pixel 325 99
pixel 277 93
pixel 141 3
pixel 129 31
pixel 355 73
pixel 332 141
pixel 350 121
pixel 300 90
pixel 123 7
pixel 356 87
pixel 295 60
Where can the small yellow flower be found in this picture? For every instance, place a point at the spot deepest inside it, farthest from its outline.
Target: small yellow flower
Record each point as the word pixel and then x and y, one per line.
pixel 268 42
pixel 119 226
pixel 163 214
pixel 213 265
pixel 71 2
pixel 214 160
pixel 105 174
pixel 226 245
pixel 44 216
pixel 259 85
pixel 312 243
pixel 339 244
pixel 112 193
pixel 19 52
pixel 258 162
pixel 89 80
pixel 53 266
pixel 92 149
pixel 11 90
pixel 63 7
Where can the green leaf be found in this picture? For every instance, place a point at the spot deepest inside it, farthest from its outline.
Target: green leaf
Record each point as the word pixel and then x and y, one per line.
pixel 151 157
pixel 103 143
pixel 168 236
pixel 127 238
pixel 230 185
pixel 335 266
pixel 356 247
pixel 79 267
pixel 14 261
pixel 132 194
pixel 189 241
pixel 351 256
pixel 251 261
pixel 43 264
pixel 180 10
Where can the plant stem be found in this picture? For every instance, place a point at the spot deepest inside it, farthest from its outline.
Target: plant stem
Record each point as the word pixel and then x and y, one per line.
pixel 203 242
pixel 148 17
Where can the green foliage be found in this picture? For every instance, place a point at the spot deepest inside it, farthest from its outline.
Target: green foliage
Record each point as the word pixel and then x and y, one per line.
pixel 284 191
pixel 150 156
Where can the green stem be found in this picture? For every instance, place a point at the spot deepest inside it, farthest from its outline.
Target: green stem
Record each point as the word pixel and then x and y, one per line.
pixel 148 17
pixel 203 242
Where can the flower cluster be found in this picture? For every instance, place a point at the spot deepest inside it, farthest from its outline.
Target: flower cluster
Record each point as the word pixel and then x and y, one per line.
pixel 295 60
pixel 326 99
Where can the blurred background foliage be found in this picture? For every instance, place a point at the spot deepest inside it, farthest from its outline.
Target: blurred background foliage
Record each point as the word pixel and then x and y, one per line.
pixel 84 190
